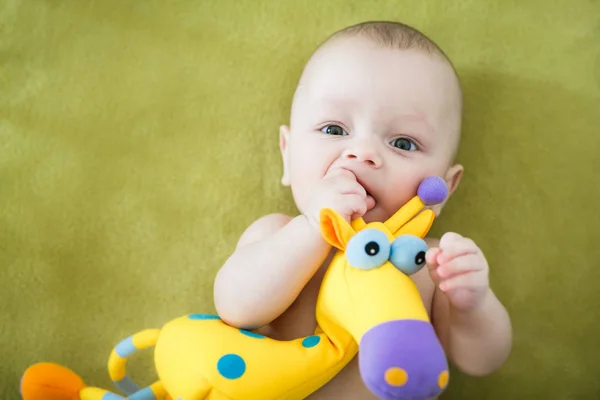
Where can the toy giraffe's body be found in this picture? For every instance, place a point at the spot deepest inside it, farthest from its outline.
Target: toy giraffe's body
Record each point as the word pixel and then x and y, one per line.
pixel 366 298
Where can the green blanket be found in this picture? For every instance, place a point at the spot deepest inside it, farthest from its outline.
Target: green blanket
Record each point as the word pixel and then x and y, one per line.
pixel 139 138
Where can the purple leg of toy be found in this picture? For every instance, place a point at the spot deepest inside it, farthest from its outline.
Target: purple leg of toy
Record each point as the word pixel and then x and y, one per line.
pixel 403 360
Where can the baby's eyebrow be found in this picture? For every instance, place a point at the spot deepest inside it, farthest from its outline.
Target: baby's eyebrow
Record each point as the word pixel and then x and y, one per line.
pixel 335 102
pixel 415 119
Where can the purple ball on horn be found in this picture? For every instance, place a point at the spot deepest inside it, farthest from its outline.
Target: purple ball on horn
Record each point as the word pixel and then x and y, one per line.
pixel 432 190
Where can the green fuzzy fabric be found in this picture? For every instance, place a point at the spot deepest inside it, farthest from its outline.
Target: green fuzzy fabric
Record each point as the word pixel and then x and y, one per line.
pixel 138 139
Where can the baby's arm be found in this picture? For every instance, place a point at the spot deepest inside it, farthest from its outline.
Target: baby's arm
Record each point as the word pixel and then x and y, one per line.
pixel 276 256
pixel 473 326
pixel 478 341
pixel 273 261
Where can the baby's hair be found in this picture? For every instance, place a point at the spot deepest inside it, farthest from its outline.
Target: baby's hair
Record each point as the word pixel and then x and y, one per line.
pixel 395 35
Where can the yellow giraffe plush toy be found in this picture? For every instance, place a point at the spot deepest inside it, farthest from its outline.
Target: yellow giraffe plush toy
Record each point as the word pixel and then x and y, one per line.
pixel 367 301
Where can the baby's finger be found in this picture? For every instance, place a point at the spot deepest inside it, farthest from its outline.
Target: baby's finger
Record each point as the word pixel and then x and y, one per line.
pixel 454 245
pixel 351 187
pixel 431 257
pixel 341 172
pixel 459 265
pixel 370 202
pixel 467 280
pixel 356 206
pixel 449 239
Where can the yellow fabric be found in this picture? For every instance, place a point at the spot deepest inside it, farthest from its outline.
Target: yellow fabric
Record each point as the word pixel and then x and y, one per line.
pixel 418 226
pixel 117 366
pixel 145 339
pixel 92 393
pixel 357 299
pixel 405 214
pixel 139 138
pixel 188 351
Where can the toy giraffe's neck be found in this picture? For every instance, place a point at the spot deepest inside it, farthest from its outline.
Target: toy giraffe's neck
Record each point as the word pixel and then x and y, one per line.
pixel 327 320
pixel 336 348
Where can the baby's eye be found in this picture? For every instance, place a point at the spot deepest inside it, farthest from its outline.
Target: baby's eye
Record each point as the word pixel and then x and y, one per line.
pixel 368 249
pixel 408 253
pixel 404 144
pixel 334 130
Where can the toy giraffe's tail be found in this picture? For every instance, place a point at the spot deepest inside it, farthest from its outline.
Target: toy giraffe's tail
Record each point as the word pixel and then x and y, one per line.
pixel 49 381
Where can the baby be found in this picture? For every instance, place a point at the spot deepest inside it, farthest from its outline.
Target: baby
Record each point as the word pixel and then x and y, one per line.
pixel 377 109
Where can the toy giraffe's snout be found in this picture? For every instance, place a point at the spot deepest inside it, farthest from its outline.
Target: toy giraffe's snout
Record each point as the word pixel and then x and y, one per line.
pixel 413 368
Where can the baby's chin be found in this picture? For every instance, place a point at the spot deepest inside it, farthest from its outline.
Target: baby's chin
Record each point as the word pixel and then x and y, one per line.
pixel 377 214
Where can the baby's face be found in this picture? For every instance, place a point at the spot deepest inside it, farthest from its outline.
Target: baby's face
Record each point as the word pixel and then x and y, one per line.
pixel 391 117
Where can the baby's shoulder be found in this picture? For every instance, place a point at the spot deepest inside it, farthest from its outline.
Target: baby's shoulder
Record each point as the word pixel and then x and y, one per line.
pixel 262 227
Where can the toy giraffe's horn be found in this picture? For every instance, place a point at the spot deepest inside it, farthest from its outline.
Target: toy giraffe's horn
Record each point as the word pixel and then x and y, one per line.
pixel 409 219
pixel 358 224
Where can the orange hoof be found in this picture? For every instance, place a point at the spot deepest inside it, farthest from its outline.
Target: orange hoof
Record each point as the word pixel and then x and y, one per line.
pixel 48 381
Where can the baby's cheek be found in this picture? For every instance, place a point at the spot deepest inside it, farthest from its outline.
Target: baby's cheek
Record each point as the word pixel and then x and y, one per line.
pixel 302 187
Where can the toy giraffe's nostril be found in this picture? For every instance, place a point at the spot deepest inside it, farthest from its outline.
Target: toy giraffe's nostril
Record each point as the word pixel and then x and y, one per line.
pixel 403 359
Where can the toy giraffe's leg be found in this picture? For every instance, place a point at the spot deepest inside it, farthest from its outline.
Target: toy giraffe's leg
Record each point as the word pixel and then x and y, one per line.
pixel 48 381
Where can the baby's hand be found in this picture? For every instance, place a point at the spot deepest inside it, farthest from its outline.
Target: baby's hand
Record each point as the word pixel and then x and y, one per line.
pixel 460 269
pixel 340 191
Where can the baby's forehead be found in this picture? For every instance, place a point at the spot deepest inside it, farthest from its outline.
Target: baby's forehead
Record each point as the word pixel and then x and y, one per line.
pixel 350 61
pixel 346 72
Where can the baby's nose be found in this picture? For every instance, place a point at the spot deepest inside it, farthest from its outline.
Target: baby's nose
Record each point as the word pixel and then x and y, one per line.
pixel 363 153
pixel 403 360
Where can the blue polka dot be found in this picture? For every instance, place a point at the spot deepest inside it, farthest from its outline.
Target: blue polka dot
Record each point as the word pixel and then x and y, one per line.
pixel 203 316
pixel 252 334
pixel 231 366
pixel 311 341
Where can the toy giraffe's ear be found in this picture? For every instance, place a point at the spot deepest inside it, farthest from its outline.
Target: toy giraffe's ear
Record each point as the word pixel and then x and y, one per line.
pixel 335 230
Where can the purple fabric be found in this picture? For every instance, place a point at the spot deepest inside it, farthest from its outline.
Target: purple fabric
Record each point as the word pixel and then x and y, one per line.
pixel 432 190
pixel 408 344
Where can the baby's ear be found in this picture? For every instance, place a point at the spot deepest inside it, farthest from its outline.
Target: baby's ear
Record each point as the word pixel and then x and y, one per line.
pixel 284 135
pixel 452 178
pixel 335 230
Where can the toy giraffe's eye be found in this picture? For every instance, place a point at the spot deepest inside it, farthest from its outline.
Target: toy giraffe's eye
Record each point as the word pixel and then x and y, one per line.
pixel 408 253
pixel 368 249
